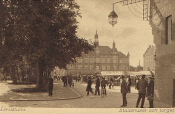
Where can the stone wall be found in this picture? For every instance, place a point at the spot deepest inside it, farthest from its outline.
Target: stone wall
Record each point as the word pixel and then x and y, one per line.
pixel 165 53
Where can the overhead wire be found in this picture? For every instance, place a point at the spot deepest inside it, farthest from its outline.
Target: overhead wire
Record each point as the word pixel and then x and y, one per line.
pixel 133 12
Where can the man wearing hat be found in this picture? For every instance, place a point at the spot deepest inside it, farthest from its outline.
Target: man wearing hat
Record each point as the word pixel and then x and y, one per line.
pixel 150 91
pixel 142 85
pixel 124 91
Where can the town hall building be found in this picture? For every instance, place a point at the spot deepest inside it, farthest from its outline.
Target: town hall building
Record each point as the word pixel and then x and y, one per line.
pixel 103 58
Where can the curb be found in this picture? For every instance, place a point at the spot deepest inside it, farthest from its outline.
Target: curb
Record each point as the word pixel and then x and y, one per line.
pixel 78 96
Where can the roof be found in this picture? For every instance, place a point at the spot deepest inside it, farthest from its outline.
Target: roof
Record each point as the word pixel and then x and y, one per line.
pixel 104 49
pixel 150 51
pixel 121 54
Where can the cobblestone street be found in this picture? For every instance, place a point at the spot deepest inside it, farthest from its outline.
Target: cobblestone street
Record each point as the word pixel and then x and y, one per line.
pixel 112 100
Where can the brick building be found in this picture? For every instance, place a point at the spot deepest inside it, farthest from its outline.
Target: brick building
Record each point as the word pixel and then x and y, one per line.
pixel 149 59
pixel 103 58
pixel 162 21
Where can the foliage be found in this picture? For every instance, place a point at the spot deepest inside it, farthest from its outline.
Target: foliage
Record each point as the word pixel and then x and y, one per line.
pixel 41 32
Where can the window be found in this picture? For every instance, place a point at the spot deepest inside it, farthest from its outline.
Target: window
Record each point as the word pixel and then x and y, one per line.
pixel 97 67
pixel 108 60
pixel 79 60
pixel 86 60
pixel 103 60
pixel 114 67
pixel 79 66
pixel 91 60
pixel 121 61
pixel 97 60
pixel 86 67
pixel 108 67
pixel 71 66
pixel 91 67
pixel 103 67
pixel 115 59
pixel 168 22
pixel 120 68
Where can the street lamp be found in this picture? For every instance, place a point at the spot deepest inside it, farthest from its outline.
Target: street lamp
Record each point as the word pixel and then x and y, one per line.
pixel 112 17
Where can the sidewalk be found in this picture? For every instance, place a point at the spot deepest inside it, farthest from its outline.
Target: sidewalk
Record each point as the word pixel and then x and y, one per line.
pixel 26 92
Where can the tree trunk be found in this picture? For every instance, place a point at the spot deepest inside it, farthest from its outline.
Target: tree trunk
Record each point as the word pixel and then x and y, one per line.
pixel 13 74
pixel 40 77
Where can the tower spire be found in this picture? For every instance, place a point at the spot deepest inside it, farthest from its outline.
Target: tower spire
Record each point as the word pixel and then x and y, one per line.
pixel 113 44
pixel 96 42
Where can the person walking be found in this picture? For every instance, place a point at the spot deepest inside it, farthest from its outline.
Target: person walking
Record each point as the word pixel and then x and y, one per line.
pixel 150 91
pixel 129 82
pixel 141 86
pixel 70 80
pixel 50 86
pixel 124 91
pixel 110 83
pixel 103 84
pixel 89 88
pixel 97 85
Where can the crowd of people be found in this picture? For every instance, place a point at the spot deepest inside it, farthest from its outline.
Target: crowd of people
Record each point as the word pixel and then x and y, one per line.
pixel 145 87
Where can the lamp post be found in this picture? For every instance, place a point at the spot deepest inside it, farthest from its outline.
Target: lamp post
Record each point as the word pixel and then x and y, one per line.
pixel 112 17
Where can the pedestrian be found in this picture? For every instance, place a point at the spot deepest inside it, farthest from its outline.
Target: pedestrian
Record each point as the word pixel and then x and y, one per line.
pixel 64 79
pixel 70 80
pixel 129 82
pixel 72 83
pixel 136 82
pixel 89 88
pixel 150 91
pixel 97 85
pixel 124 91
pixel 79 78
pixel 50 84
pixel 110 83
pixel 103 84
pixel 141 86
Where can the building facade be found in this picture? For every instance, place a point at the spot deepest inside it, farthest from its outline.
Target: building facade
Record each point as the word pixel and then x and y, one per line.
pixel 149 59
pixel 103 58
pixel 162 21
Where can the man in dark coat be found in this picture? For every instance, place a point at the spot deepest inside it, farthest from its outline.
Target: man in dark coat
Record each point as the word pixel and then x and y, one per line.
pixel 64 79
pixel 110 83
pixel 50 86
pixel 150 91
pixel 141 86
pixel 97 85
pixel 129 82
pixel 124 91
pixel 89 88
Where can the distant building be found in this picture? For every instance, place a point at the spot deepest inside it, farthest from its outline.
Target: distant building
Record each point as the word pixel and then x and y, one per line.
pixel 103 58
pixel 149 59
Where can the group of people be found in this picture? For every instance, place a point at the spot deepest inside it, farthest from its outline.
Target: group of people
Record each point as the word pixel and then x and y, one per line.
pixel 145 89
pixel 103 84
pixel 144 86
pixel 67 81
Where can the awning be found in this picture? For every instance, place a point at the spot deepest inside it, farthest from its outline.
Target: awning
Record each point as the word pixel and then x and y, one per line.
pixel 147 73
pixel 108 73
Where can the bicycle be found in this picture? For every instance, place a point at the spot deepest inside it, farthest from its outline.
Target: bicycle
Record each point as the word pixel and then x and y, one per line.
pixel 103 91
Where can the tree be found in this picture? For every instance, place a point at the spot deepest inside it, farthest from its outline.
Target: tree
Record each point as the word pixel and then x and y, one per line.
pixel 45 34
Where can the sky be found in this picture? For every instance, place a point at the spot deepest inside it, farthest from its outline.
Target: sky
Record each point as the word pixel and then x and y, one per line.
pixel 131 34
